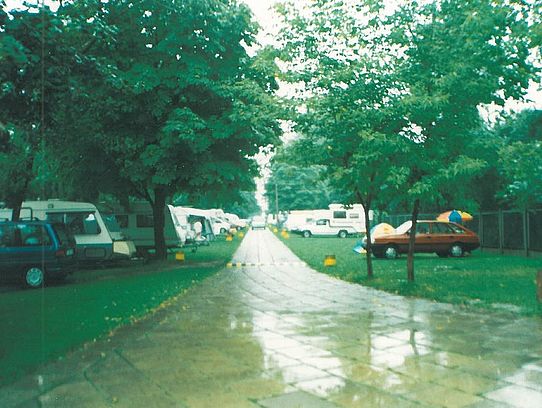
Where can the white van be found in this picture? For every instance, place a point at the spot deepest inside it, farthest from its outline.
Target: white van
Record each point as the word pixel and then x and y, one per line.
pixel 93 239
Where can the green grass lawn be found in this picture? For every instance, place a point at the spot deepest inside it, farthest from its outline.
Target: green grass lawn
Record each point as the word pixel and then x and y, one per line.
pixel 481 279
pixel 39 325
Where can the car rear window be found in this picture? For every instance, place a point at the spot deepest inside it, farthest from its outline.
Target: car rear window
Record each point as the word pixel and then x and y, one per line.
pixel 441 228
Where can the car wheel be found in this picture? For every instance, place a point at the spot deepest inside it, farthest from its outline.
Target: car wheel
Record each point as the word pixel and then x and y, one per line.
pixel 306 234
pixel 34 277
pixel 222 230
pixel 442 254
pixel 456 250
pixel 343 234
pixel 390 252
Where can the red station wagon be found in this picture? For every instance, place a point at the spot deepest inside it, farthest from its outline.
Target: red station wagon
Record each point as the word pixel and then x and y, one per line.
pixel 443 238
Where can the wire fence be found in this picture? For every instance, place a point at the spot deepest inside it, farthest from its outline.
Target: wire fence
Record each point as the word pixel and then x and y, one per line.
pixel 502 230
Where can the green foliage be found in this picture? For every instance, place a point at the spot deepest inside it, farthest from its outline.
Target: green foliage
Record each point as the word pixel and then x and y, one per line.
pixel 299 187
pixel 521 167
pixel 180 101
pixel 28 100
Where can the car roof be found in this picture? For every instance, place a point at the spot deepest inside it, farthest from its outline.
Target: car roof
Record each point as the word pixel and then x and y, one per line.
pixel 29 222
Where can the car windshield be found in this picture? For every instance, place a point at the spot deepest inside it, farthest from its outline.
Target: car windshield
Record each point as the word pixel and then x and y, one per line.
pixel 110 221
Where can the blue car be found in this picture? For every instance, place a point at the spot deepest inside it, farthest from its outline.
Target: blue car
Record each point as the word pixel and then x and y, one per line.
pixel 34 252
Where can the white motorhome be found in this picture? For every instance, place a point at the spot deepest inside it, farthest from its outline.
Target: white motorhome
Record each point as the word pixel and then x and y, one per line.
pixel 93 239
pixel 137 224
pixel 297 218
pixel 335 221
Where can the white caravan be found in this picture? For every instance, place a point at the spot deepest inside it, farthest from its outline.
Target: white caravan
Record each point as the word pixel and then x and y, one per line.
pixel 235 221
pixel 93 239
pixel 194 215
pixel 221 225
pixel 182 226
pixel 137 224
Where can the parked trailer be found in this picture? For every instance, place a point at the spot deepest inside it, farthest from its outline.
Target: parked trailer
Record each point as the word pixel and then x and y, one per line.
pixel 203 216
pixel 137 224
pixel 93 239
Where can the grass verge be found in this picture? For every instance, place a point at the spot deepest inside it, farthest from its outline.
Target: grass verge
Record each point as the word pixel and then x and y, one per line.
pixel 481 279
pixel 40 325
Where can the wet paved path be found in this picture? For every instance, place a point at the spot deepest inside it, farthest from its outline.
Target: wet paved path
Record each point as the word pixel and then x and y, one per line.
pixel 281 335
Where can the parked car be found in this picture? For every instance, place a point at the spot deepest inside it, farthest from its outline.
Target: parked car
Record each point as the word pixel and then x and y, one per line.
pixel 443 238
pixel 36 251
pixel 258 222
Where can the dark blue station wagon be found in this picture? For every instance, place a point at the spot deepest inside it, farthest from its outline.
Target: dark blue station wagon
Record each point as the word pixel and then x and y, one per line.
pixel 35 251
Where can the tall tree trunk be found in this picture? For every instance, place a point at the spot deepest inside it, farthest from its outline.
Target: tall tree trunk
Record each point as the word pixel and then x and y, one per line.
pixel 16 202
pixel 412 240
pixel 158 212
pixel 16 212
pixel 369 245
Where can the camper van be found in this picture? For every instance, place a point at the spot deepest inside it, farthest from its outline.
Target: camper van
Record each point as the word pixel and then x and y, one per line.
pixel 137 224
pixel 335 221
pixel 92 238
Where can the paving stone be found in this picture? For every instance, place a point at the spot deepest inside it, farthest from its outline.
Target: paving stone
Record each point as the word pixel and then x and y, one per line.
pixel 296 400
pixel 517 396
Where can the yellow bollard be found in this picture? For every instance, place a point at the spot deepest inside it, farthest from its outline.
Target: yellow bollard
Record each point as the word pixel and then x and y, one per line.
pixel 229 237
pixel 179 256
pixel 330 260
pixel 241 234
pixel 285 235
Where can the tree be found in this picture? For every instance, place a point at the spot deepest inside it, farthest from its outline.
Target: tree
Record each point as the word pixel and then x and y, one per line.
pixel 452 57
pixel 32 68
pixel 174 102
pixel 348 124
pixel 519 153
pixel 420 72
pixel 299 187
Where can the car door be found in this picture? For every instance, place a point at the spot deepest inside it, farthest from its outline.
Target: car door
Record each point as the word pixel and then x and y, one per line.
pixel 424 240
pixel 443 237
pixel 7 238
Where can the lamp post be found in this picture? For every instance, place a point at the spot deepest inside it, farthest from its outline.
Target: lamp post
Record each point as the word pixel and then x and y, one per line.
pixel 277 204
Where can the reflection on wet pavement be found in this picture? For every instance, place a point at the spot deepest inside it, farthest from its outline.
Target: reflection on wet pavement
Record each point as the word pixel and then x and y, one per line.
pixel 281 335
